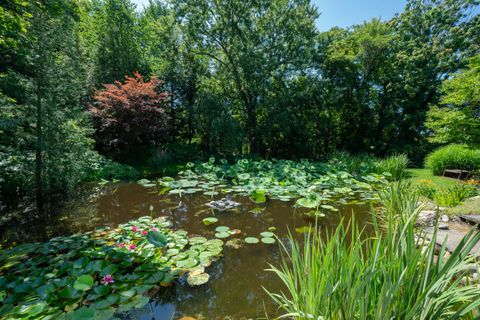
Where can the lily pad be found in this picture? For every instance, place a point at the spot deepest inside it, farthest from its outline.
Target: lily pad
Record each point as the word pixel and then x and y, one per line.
pixel 197 279
pixel 266 234
pixel 209 221
pixel 222 229
pixel 251 240
pixel 157 239
pixel 268 240
pixel 222 235
pixel 84 282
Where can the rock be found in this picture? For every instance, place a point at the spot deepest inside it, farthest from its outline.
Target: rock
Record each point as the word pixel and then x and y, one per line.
pixel 443 226
pixel 445 218
pixel 426 217
pixel 223 204
pixel 471 218
pixel 453 238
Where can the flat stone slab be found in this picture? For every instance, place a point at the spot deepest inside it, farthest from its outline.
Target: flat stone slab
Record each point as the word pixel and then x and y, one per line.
pixel 471 218
pixel 454 237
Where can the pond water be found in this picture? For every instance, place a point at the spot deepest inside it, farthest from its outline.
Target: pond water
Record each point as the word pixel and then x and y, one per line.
pixel 235 289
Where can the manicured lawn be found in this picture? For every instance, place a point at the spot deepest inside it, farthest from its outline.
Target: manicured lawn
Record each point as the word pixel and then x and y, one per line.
pixel 425 174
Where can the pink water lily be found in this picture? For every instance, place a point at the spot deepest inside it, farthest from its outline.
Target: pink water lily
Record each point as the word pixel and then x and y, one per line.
pixel 154 229
pixel 134 229
pixel 121 245
pixel 144 232
pixel 132 247
pixel 108 279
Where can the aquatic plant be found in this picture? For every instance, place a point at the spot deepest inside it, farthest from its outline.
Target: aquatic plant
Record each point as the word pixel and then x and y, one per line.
pixel 390 274
pixel 95 274
pixel 279 179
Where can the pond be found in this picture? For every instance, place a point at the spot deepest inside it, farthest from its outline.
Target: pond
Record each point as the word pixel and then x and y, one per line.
pixel 235 289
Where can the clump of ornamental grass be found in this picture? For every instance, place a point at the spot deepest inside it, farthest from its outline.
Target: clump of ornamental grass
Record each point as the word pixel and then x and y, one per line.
pixel 390 273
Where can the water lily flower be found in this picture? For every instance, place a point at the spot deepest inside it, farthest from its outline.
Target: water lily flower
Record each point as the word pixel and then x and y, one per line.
pixel 144 232
pixel 108 279
pixel 134 229
pixel 132 247
pixel 154 229
pixel 121 245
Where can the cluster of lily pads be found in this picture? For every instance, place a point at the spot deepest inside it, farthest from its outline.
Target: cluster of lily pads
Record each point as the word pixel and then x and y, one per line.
pixel 317 185
pixel 95 274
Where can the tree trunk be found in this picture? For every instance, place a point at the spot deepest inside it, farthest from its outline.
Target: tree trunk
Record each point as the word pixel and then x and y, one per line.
pixel 39 152
pixel 252 127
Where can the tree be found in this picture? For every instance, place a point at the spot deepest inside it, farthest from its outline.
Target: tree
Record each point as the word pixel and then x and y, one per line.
pixel 457 117
pixel 118 52
pixel 46 133
pixel 129 114
pixel 250 43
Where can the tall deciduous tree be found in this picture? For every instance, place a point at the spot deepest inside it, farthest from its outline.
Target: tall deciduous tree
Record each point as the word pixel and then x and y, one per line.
pixel 250 43
pixel 118 52
pixel 457 117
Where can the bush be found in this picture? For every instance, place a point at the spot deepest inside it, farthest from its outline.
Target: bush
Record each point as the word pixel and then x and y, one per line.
pixel 453 156
pixel 395 165
pixel 129 114
pixel 453 196
pixel 107 169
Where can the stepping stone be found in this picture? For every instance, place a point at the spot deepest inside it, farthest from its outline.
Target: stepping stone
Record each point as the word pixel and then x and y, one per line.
pixel 454 237
pixel 471 218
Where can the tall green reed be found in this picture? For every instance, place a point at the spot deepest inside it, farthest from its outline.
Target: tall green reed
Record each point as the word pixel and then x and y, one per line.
pixel 390 273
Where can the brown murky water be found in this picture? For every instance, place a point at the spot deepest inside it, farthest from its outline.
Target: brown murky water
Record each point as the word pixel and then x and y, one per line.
pixel 235 289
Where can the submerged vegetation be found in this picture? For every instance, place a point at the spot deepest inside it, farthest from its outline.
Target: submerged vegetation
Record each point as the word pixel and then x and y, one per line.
pixel 390 274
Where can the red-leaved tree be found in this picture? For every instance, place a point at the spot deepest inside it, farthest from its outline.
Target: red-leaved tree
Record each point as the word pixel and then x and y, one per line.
pixel 129 114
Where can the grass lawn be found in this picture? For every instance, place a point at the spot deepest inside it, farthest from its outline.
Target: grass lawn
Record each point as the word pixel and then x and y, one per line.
pixel 425 174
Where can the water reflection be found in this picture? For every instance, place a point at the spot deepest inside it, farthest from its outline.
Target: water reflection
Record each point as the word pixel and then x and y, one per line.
pixel 235 287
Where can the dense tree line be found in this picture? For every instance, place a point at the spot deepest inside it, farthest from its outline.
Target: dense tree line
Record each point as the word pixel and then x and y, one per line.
pixel 243 77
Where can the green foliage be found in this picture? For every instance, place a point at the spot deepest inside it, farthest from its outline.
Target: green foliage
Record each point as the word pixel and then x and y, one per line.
pixel 280 179
pixel 453 156
pixel 457 119
pixel 118 45
pixel 392 274
pixel 94 274
pixel 453 196
pixel 106 169
pixel 396 166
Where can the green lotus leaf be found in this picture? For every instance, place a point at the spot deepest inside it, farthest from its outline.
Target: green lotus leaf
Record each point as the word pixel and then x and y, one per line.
pixel 251 240
pixel 258 196
pixel 268 240
pixel 209 221
pixel 197 279
pixel 84 282
pixel 157 239
pixel 222 229
pixel 266 234
pixel 222 235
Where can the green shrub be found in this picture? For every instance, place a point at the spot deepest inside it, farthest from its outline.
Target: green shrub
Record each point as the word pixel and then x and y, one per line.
pixel 454 195
pixel 355 164
pixel 107 169
pixel 395 165
pixel 392 274
pixel 453 156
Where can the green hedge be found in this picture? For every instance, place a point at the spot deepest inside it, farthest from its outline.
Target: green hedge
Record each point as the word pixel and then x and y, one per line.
pixel 453 156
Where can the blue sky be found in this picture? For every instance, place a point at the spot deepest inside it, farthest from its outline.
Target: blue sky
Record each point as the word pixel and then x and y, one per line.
pixel 344 13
